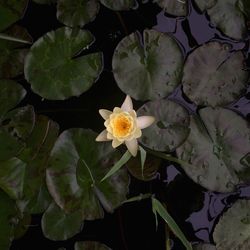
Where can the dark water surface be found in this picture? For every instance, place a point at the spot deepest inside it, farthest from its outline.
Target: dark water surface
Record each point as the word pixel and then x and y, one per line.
pixel 133 225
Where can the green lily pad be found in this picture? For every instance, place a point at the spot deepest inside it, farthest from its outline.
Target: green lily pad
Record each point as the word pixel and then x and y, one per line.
pixel 244 6
pixel 54 68
pixel 214 75
pixel 11 94
pixel 170 128
pixel 12 177
pixel 151 167
pixel 8 218
pixel 226 16
pixel 217 144
pixel 12 53
pixel 144 71
pixel 90 245
pixel 11 11
pixel 77 12
pixel 15 127
pixel 232 230
pixel 35 154
pixel 119 4
pixel 76 166
pixel 57 225
pixel 174 7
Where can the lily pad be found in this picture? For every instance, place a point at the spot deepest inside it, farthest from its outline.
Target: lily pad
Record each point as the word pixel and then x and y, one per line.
pixel 150 169
pixel 174 7
pixel 8 220
pixel 214 75
pixel 11 93
pixel 22 226
pixel 12 177
pixel 12 53
pixel 57 225
pixel 170 128
pixel 204 247
pixel 54 67
pixel 77 12
pixel 232 230
pixel 119 4
pixel 76 166
pixel 226 16
pixel 142 69
pixel 35 154
pixel 244 6
pixel 217 144
pixel 11 11
pixel 90 245
pixel 15 127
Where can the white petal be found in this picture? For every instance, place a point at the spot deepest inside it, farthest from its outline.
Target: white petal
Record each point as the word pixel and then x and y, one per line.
pixel 137 133
pixel 116 143
pixel 102 136
pixel 127 104
pixel 105 113
pixel 132 146
pixel 145 121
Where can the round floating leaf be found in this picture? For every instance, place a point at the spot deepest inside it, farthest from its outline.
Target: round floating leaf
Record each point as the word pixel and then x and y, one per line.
pixel 226 15
pixel 54 68
pixel 232 230
pixel 119 4
pixel 22 226
pixel 11 94
pixel 77 12
pixel 151 167
pixel 90 245
pixel 174 7
pixel 76 166
pixel 15 128
pixel 214 75
pixel 148 71
pixel 12 53
pixel 244 6
pixel 35 154
pixel 57 225
pixel 11 11
pixel 8 220
pixel 170 128
pixel 218 147
pixel 12 177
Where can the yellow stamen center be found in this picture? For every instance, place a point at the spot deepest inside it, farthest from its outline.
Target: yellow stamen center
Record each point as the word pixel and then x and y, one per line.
pixel 122 125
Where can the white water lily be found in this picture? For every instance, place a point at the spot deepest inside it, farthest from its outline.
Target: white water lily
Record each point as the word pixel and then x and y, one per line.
pixel 123 126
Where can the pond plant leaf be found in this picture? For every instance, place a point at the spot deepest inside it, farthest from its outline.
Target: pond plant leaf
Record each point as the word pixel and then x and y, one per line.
pixel 226 15
pixel 218 141
pixel 76 13
pixel 11 11
pixel 11 93
pixel 8 218
pixel 142 69
pixel 170 128
pixel 204 246
pixel 119 4
pixel 12 51
pixel 35 154
pixel 174 7
pixel 54 67
pixel 58 225
pixel 90 245
pixel 214 75
pixel 15 128
pixel 22 227
pixel 45 1
pixel 232 230
pixel 76 167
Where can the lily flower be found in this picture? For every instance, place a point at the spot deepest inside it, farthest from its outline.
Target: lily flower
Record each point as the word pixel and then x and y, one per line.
pixel 123 126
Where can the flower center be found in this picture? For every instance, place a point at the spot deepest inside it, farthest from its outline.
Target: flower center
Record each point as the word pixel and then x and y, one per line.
pixel 122 125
